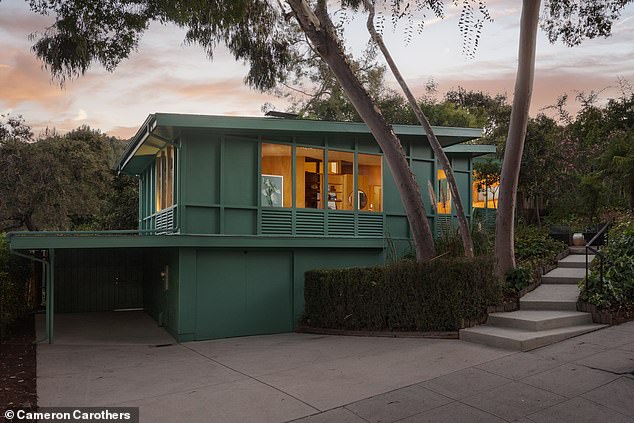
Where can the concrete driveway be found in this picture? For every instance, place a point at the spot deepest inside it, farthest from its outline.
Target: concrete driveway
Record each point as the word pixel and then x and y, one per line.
pixel 319 378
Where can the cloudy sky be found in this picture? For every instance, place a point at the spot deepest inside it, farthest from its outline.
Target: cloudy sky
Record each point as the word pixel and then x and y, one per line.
pixel 165 75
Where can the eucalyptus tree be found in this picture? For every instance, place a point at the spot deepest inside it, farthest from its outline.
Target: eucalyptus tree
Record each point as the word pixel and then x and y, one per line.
pixel 439 153
pixel 261 34
pixel 87 31
pixel 572 21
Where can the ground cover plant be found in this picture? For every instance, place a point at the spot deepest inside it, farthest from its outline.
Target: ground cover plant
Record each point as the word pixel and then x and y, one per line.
pixel 535 252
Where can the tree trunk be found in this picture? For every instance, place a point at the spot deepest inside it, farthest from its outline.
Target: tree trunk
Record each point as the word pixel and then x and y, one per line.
pixel 321 32
pixel 463 225
pixel 504 227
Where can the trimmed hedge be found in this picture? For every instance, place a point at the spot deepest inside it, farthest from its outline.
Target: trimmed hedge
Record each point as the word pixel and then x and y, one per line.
pixel 405 296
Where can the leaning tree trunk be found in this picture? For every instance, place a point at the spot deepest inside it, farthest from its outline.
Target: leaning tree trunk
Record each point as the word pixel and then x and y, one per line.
pixel 321 32
pixel 463 226
pixel 504 227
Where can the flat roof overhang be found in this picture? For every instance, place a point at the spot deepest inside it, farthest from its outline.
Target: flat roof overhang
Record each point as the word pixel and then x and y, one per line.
pixel 24 241
pixel 161 129
pixel 472 150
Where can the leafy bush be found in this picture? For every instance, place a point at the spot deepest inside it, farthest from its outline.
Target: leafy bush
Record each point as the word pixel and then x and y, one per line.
pixel 449 242
pixel 14 275
pixel 533 246
pixel 517 279
pixel 405 296
pixel 618 269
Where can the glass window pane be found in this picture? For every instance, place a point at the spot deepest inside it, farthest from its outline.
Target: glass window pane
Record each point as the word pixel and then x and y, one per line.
pixel 370 183
pixel 159 183
pixel 309 177
pixel 164 179
pixel 277 181
pixel 340 180
pixel 170 177
pixel 444 195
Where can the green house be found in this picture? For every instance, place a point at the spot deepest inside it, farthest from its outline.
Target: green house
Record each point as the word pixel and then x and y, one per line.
pixel 234 210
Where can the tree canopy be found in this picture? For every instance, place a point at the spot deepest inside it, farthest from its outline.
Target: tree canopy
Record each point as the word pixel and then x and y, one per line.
pixel 64 182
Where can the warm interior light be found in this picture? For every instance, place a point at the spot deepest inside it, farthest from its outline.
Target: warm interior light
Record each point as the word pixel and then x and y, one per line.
pixel 334 167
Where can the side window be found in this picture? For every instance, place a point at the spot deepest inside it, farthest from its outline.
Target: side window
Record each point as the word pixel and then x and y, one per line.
pixel 164 177
pixel 444 195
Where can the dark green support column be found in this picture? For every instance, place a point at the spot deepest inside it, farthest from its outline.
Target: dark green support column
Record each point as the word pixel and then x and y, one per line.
pixel 50 296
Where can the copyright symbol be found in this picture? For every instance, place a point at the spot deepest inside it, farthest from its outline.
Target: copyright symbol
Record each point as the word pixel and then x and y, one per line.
pixel 9 414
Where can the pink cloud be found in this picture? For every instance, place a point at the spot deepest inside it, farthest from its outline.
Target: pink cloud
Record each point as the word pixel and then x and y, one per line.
pixel 23 80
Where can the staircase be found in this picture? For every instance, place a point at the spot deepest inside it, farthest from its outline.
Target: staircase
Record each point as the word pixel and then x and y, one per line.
pixel 547 314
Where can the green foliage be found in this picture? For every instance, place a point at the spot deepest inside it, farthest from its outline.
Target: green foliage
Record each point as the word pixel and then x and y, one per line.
pixel 65 182
pixel 534 248
pixel 449 242
pixel 617 289
pixel 316 94
pixel 107 32
pixel 405 296
pixel 14 275
pixel 572 21
pixel 517 279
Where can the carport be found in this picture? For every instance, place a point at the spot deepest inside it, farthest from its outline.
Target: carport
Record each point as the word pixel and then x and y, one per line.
pixel 101 283
pixel 129 327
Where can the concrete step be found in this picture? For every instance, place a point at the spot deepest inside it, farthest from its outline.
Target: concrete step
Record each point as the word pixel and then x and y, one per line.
pixel 564 275
pixel 575 261
pixel 538 320
pixel 577 250
pixel 522 340
pixel 551 297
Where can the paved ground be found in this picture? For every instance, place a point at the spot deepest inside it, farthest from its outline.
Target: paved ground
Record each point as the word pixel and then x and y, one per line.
pixel 317 379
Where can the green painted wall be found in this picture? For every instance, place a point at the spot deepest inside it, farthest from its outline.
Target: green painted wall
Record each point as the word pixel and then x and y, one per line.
pixel 248 291
pixel 162 304
pixel 243 292
pixel 218 182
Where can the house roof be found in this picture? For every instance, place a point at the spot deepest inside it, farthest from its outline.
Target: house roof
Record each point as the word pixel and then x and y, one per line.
pixel 161 129
pixel 473 150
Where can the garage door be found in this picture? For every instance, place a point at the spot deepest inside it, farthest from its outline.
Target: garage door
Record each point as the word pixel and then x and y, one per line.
pixel 243 293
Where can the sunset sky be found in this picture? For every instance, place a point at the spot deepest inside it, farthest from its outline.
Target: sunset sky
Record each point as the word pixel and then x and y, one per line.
pixel 165 75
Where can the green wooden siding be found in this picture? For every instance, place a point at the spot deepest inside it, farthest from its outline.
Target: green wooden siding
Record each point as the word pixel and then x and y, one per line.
pixel 243 293
pixel 98 280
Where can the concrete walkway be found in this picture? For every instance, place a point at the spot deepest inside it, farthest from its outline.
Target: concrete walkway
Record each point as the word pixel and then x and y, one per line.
pixel 312 378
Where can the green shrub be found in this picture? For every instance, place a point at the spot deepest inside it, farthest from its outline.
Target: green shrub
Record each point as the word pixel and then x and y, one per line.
pixel 14 275
pixel 617 289
pixel 517 279
pixel 404 296
pixel 534 249
pixel 449 242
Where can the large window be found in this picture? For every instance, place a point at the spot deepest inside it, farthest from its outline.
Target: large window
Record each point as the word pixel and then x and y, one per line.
pixel 340 180
pixel 310 179
pixel 277 175
pixel 165 178
pixel 370 184
pixel 309 164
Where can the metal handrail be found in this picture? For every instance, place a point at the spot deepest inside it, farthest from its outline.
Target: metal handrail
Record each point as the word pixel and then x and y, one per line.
pixel 597 253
